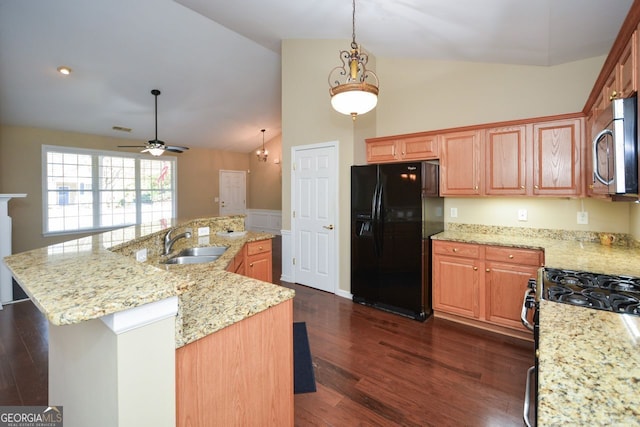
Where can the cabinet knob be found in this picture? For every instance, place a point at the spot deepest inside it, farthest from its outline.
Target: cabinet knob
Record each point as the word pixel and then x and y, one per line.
pixel 260 247
pixel 510 256
pixel 590 186
pixel 475 268
pixel 536 187
pixel 522 187
pixel 475 187
pixel 251 265
pixel 488 270
pixel 455 249
pixel 613 95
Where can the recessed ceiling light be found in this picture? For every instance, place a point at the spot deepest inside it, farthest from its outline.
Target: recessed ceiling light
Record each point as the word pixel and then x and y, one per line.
pixel 64 70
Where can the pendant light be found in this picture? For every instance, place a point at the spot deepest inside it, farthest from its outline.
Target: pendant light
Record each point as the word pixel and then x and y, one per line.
pixel 262 154
pixel 353 88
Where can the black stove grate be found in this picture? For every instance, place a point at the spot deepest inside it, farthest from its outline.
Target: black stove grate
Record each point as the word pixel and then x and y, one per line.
pixel 619 294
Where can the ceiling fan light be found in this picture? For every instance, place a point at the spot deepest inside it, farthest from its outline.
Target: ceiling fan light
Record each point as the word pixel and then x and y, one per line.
pixel 63 69
pixel 156 151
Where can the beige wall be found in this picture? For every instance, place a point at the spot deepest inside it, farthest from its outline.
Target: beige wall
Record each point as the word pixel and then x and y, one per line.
pixel 557 214
pixel 307 118
pixel 20 172
pixel 265 178
pixel 428 95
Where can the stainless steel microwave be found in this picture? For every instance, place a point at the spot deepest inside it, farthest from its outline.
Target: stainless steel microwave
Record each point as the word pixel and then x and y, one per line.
pixel 615 147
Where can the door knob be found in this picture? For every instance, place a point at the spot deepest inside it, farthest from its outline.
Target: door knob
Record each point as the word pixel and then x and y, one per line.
pixel 328 227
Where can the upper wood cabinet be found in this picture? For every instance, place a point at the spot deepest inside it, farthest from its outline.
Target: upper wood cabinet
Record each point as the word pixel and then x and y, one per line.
pixel 557 147
pixel 460 163
pixel 623 79
pixel 505 161
pixel 536 159
pixel 388 150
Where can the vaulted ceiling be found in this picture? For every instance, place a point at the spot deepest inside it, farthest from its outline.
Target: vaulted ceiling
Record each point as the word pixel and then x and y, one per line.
pixel 217 63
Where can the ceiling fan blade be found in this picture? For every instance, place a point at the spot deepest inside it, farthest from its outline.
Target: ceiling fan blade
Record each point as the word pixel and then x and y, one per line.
pixel 132 146
pixel 175 149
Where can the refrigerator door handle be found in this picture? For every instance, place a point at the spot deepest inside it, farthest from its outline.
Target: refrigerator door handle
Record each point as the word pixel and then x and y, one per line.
pixel 374 219
pixel 379 224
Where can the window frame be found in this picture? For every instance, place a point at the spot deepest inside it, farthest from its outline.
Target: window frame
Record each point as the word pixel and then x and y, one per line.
pixel 95 190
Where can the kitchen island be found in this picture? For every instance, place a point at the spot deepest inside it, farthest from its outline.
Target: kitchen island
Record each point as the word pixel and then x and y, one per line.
pixel 589 360
pixel 118 325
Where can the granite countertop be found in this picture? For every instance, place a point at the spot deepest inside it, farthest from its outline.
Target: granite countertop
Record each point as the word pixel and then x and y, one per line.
pixel 589 367
pixel 89 278
pixel 213 298
pixel 561 253
pixel 589 360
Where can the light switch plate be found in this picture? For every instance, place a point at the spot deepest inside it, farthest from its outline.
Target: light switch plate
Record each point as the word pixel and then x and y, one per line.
pixel 454 213
pixel 522 215
pixel 583 217
pixel 203 231
pixel 141 255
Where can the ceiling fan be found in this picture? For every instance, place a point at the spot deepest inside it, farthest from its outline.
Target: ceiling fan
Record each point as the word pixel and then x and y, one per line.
pixel 155 147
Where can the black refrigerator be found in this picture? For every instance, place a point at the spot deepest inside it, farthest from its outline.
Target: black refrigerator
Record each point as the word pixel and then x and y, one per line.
pixel 394 209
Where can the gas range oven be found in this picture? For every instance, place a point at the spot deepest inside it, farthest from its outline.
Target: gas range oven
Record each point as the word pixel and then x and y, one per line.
pixel 618 294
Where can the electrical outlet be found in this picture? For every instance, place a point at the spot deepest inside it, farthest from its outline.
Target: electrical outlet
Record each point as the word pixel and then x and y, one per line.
pixel 203 231
pixel 583 217
pixel 141 255
pixel 454 213
pixel 522 214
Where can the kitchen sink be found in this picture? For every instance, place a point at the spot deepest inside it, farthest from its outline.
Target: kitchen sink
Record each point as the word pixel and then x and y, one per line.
pixel 193 259
pixel 205 251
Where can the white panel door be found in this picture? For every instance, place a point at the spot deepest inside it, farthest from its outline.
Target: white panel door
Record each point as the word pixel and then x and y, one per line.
pixel 233 192
pixel 314 217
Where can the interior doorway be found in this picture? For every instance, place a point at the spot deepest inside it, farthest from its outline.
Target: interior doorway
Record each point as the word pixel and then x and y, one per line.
pixel 233 192
pixel 314 227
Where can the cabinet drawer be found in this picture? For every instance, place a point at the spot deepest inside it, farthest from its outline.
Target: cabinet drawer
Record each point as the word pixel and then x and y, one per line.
pixel 514 255
pixel 455 248
pixel 258 247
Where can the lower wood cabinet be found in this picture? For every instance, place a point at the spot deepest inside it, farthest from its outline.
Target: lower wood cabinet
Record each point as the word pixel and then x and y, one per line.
pixel 482 283
pixel 258 260
pixel 254 260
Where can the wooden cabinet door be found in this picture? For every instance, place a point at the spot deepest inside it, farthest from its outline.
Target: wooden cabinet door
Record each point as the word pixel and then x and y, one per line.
pixel 556 157
pixel 610 90
pixel 456 285
pixel 259 267
pixel 505 161
pixel 257 264
pixel 505 285
pixel 382 151
pixel 456 278
pixel 460 161
pixel 419 148
pixel 627 69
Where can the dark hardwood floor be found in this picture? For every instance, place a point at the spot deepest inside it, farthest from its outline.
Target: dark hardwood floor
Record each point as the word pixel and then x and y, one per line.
pixel 372 368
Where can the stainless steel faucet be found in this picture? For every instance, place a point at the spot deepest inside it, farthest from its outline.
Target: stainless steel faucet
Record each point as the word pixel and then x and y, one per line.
pixel 168 241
